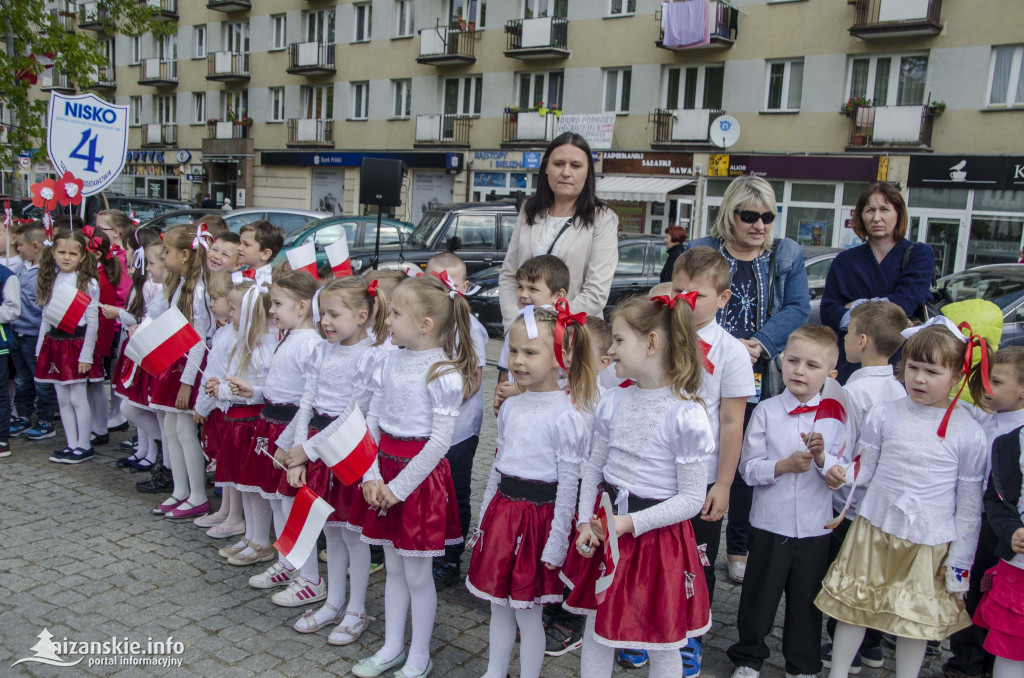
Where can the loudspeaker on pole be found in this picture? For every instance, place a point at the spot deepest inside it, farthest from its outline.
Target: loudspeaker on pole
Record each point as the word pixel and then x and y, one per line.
pixel 380 182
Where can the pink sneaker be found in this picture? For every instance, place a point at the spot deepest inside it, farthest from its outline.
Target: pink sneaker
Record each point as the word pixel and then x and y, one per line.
pixel 225 529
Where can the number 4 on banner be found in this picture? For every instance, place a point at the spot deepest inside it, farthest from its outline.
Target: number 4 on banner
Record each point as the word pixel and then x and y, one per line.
pixel 90 158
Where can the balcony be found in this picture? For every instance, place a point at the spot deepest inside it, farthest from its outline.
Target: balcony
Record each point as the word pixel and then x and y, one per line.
pixel 543 38
pixel 890 127
pixel 227 67
pixel 528 128
pixel 442 130
pixel 677 35
pixel 311 58
pixel 682 127
pixel 159 72
pixel 446 46
pixel 52 81
pixel 166 10
pixel 229 6
pixel 105 80
pixel 877 19
pixel 156 134
pixel 65 19
pixel 92 15
pixel 3 135
pixel 311 132
pixel 227 130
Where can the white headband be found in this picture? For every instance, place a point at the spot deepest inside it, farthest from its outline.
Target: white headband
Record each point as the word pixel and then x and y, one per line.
pixel 939 320
pixel 316 307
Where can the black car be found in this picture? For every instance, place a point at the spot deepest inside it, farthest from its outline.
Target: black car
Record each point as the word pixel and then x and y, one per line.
pixel 478 232
pixel 177 217
pixel 641 258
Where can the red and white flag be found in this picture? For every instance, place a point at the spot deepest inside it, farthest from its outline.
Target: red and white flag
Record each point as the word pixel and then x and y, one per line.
pixel 66 308
pixel 606 516
pixel 349 451
pixel 305 521
pixel 156 345
pixel 303 258
pixel 337 254
pixel 832 406
pixel 836 521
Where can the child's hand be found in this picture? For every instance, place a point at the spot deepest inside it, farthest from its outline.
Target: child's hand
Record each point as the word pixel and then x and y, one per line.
pixel 198 418
pixel 371 493
pixel 1017 542
pixel 281 455
pixel 623 525
pixel 798 462
pixel 550 566
pixel 295 457
pixel 585 543
pixel 109 312
pixel 836 477
pixel 597 529
pixel 83 368
pixel 815 445
pixel 184 396
pixel 240 387
pixel 212 384
pixel 297 476
pixel 716 503
pixel 387 497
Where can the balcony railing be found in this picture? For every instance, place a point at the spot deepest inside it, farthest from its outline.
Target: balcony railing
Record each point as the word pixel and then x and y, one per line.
pixel 227 130
pixel 228 6
pixel 896 18
pixel 682 126
pixel 543 38
pixel 157 134
pixel 166 10
pixel 50 80
pixel 227 66
pixel 889 126
pixel 311 58
pixel 441 46
pixel 723 28
pixel 105 78
pixel 65 19
pixel 91 16
pixel 310 132
pixel 528 127
pixel 442 130
pixel 159 72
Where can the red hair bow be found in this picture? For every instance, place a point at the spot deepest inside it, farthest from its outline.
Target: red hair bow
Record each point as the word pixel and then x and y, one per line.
pixel 689 297
pixel 443 277
pixel 114 249
pixel 564 319
pixel 971 341
pixel 94 244
pixel 371 289
pixel 88 231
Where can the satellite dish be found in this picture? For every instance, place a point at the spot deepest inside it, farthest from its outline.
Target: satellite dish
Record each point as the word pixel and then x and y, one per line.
pixel 725 131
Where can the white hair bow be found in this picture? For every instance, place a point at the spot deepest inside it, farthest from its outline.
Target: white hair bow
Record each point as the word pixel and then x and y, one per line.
pixel 139 261
pixel 316 307
pixel 249 301
pixel 932 322
pixel 203 237
pixel 531 321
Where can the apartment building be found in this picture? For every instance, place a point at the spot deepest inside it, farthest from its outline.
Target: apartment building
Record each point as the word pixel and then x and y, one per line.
pixel 278 102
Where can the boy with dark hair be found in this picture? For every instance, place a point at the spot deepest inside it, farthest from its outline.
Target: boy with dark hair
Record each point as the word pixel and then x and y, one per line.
pixel 260 242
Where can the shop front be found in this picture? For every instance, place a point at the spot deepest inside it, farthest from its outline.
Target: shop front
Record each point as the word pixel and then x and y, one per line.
pixel 502 174
pixel 152 174
pixel 650 191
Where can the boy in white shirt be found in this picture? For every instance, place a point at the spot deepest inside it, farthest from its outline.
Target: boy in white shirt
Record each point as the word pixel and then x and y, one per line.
pixel 259 243
pixel 788 540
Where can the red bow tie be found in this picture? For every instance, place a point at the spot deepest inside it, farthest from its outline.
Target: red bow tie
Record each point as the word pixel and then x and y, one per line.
pixel 249 273
pixel 804 409
pixel 705 348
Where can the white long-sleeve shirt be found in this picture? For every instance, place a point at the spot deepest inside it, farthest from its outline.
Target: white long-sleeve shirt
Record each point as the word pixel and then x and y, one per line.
pixel 216 364
pixel 90 320
pixel 284 384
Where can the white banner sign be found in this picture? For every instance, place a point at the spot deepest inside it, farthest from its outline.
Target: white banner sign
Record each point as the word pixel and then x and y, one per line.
pixel 596 128
pixel 88 137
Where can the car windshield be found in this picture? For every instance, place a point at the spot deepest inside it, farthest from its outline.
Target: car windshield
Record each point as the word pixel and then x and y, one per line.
pixel 426 229
pixel 297 234
pixel 999 286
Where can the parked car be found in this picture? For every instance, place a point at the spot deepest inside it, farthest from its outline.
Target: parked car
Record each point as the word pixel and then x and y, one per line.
pixel 143 209
pixel 189 216
pixel 1002 284
pixel 478 232
pixel 817 262
pixel 286 219
pixel 360 232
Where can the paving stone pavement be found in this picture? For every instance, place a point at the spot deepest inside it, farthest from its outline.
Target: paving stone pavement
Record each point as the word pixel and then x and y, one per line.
pixel 84 558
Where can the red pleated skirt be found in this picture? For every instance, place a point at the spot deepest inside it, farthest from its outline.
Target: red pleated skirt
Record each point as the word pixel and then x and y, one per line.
pixel 57 362
pixel 212 430
pixel 258 471
pixel 237 429
pixel 428 520
pixel 506 566
pixel 138 392
pixel 163 388
pixel 1001 611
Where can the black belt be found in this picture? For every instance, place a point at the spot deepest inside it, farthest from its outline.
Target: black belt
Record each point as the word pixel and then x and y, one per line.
pixel 320 421
pixel 633 502
pixel 533 491
pixel 61 334
pixel 279 412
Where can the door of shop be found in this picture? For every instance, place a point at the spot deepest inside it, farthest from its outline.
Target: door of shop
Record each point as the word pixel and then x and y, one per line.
pixel 947 235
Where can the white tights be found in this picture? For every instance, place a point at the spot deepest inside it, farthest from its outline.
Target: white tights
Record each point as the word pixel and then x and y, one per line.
pixel 73 401
pixel 258 515
pixel 846 643
pixel 1007 668
pixel 503 638
pixel 281 507
pixel 409 584
pixel 147 425
pixel 98 405
pixel 346 552
pixel 188 465
pixel 597 659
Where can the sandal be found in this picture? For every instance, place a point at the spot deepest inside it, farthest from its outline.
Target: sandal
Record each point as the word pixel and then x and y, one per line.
pixel 346 635
pixel 306 623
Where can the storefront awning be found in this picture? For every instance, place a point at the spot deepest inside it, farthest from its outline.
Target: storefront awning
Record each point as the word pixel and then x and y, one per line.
pixel 641 189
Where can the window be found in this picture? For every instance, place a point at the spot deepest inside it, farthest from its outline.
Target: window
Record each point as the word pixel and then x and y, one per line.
pixel 694 87
pixel 889 80
pixel 135 111
pixel 320 26
pixel 277 32
pixel 621 7
pixel 785 84
pixel 166 110
pixel 537 87
pixel 236 104
pixel 463 96
pixel 533 9
pixel 476 231
pixel 199 42
pixel 616 90
pixel 360 100
pixel 364 15
pixel 135 52
pixel 237 37
pixel 318 102
pixel 631 259
pixel 1005 78
pixel 508 224
pixel 328 235
pixel 402 98
pixel 198 108
pixel 276 104
pixel 468 10
pixel 404 20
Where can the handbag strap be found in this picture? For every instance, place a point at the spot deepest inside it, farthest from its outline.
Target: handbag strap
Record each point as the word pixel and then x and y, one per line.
pixel 564 228
pixel 771 278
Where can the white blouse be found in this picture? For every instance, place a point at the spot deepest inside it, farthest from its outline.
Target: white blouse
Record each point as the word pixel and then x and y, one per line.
pixel 256 374
pixel 91 319
pixel 216 363
pixel 285 384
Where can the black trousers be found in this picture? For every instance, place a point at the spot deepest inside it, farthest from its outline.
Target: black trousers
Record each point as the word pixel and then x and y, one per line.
pixel 740 497
pixel 872 637
pixel 777 565
pixel 969 655
pixel 709 534
pixel 460 458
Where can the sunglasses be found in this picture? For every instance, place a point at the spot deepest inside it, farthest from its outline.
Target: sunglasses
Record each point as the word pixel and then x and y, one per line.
pixel 751 217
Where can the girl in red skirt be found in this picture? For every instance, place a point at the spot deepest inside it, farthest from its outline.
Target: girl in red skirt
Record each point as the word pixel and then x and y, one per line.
pixel 336 379
pixel 531 493
pixel 291 308
pixel 108 275
pixel 66 359
pixel 173 392
pixel 417 392
pixel 650 449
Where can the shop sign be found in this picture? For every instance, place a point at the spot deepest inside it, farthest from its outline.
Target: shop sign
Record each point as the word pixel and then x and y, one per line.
pixel 596 128
pixel 506 160
pixel 622 162
pixel 88 137
pixel 336 159
pixel 811 168
pixel 994 173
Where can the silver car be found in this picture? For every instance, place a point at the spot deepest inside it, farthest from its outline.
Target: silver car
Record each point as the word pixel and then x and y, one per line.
pixel 285 218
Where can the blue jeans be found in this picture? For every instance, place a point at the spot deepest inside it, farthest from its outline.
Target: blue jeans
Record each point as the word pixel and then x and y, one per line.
pixel 29 396
pixel 5 401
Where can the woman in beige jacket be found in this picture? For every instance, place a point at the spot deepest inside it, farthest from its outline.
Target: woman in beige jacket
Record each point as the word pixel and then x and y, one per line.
pixel 565 218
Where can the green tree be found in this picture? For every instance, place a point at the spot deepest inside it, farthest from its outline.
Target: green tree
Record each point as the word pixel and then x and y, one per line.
pixel 28 27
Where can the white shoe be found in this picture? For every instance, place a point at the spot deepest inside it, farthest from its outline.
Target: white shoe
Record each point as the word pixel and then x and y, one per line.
pixel 275 575
pixel 371 667
pixel 737 570
pixel 745 672
pixel 300 592
pixel 406 672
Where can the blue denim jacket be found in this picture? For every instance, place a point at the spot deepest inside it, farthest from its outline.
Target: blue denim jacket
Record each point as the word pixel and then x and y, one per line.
pixel 791 303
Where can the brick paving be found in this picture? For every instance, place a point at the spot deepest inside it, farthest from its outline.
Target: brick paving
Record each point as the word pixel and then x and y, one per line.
pixel 84 558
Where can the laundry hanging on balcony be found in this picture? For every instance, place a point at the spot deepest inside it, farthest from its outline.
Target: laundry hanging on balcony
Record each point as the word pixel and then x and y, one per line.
pixel 686 23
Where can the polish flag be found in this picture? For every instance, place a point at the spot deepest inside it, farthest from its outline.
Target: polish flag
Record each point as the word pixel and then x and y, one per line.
pixel 66 308
pixel 606 516
pixel 350 450
pixel 155 346
pixel 305 521
pixel 832 406
pixel 303 258
pixel 337 254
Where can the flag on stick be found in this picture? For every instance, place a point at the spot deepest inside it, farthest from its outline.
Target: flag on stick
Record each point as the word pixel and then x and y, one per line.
pixel 606 516
pixel 337 254
pixel 155 347
pixel 303 258
pixel 305 521
pixel 349 452
pixel 66 308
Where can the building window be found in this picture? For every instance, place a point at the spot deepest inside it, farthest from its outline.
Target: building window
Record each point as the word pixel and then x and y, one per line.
pixel 468 10
pixel 135 111
pixel 402 99
pixel 363 18
pixel 535 88
pixel 694 87
pixel 135 50
pixel 236 104
pixel 167 110
pixel 318 102
pixel 276 104
pixel 616 90
pixel 320 26
pixel 533 9
pixel 621 7
pixel 404 20
pixel 784 86
pixel 199 42
pixel 889 80
pixel 1006 77
pixel 277 32
pixel 360 100
pixel 463 96
pixel 198 108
